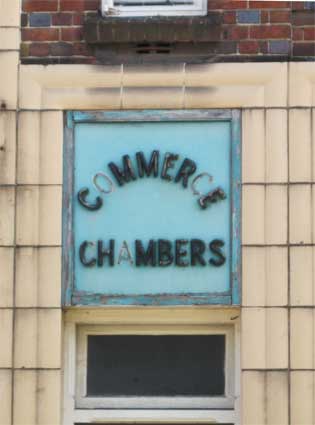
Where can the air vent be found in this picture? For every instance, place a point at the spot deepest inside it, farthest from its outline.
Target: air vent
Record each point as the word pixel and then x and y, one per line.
pixel 153 48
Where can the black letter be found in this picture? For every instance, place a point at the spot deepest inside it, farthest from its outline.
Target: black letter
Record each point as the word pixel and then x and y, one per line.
pixel 215 246
pixel 147 257
pixel 83 259
pixel 212 197
pixel 165 256
pixel 197 248
pixel 143 167
pixel 82 194
pixel 101 253
pixel 125 175
pixel 179 253
pixel 168 163
pixel 187 168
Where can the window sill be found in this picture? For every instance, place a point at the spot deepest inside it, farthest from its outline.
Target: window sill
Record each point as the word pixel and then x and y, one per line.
pixel 179 29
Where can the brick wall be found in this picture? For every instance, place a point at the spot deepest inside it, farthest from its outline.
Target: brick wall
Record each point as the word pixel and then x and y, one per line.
pixel 52 30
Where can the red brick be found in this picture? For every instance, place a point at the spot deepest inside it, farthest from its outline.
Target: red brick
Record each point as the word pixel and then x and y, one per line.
pixel 303 49
pixel 298 5
pixel 309 33
pixel 265 4
pixel 62 19
pixel 79 5
pixel 227 4
pixel 248 47
pixel 92 4
pixel 264 16
pixel 71 34
pixel 303 17
pixel 24 50
pixel 61 49
pixel 24 19
pixel 280 16
pixel 229 17
pixel 78 19
pixel 40 5
pixel 270 31
pixel 39 49
pixel 235 33
pixel 72 5
pixel 297 34
pixel 81 49
pixel 263 47
pixel 226 48
pixel 40 34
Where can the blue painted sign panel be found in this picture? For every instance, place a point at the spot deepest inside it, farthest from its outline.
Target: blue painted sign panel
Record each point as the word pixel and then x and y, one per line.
pixel 152 208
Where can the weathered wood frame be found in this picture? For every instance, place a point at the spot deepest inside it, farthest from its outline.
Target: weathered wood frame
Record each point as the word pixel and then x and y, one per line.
pixel 226 298
pixel 152 321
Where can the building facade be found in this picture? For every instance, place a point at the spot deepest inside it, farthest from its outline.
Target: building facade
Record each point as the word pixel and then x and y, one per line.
pixel 72 72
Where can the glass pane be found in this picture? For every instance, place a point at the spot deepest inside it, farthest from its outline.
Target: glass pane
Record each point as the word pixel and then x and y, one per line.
pixel 167 365
pixel 152 2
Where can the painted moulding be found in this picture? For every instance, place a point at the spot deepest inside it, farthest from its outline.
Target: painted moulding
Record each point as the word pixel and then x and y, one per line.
pixel 91 87
pixel 301 84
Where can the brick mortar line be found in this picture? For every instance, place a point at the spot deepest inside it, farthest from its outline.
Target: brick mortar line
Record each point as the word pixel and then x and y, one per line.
pixel 30 184
pixel 250 108
pixel 292 245
pixel 30 246
pixel 277 370
pixel 227 58
pixel 14 241
pixel 288 239
pixel 218 306
pixel 31 308
pixel 278 183
pixel 287 245
pixel 285 307
pixel 30 368
pixel 17 185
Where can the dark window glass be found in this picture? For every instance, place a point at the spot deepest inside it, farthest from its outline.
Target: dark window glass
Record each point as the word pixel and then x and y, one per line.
pixel 167 365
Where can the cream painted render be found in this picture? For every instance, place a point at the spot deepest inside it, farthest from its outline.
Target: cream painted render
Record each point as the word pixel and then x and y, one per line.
pixel 278 296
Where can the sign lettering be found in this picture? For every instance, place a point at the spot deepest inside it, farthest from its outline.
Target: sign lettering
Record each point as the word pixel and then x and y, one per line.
pixel 127 173
pixel 153 215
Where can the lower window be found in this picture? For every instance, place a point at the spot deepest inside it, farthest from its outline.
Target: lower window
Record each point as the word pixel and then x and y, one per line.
pixel 144 373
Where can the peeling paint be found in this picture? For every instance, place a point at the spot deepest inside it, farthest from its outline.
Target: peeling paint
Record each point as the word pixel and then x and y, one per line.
pixel 75 297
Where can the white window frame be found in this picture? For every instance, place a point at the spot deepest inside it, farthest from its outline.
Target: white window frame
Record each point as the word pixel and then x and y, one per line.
pixel 79 408
pixel 198 8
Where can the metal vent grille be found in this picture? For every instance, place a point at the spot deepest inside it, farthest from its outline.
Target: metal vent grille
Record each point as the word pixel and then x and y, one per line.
pixel 153 48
